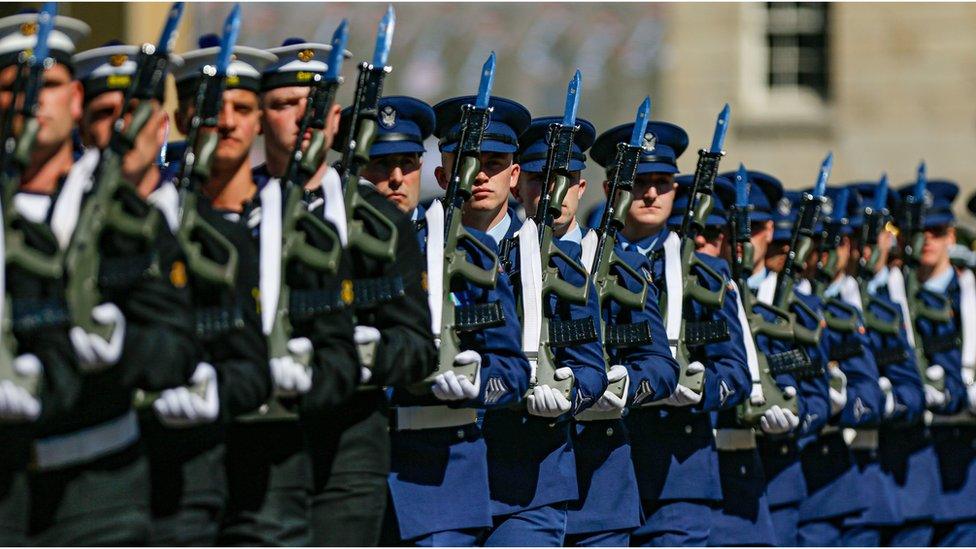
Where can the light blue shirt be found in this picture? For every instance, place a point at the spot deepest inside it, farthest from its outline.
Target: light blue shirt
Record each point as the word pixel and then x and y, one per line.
pixel 939 284
pixel 574 235
pixel 757 278
pixel 878 281
pixel 498 232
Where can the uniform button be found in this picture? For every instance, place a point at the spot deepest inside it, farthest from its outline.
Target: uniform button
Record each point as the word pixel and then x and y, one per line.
pixel 263 409
pixel 610 432
pixel 824 450
pixel 551 425
pixel 742 470
pixel 460 433
pixel 688 429
pixel 784 449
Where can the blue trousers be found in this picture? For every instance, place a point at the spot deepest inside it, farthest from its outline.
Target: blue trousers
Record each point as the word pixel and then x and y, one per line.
pixel 955 534
pixel 861 536
pixel 615 538
pixel 910 534
pixel 785 525
pixel 674 524
pixel 449 538
pixel 821 533
pixel 539 527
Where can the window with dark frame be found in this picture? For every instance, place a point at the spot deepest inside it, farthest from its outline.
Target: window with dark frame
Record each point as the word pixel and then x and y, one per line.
pixel 797 38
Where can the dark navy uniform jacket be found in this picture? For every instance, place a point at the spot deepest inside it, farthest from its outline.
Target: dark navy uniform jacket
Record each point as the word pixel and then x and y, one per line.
pixel 530 459
pixel 609 499
pixel 674 448
pixel 439 477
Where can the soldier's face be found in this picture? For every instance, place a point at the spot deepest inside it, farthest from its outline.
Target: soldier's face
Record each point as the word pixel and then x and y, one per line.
pixel 282 110
pixel 494 183
pixel 96 129
pixel 937 242
pixel 653 200
pixel 713 242
pixel 59 104
pixel 762 236
pixel 844 254
pixel 776 255
pixel 239 124
pixel 397 177
pixel 529 193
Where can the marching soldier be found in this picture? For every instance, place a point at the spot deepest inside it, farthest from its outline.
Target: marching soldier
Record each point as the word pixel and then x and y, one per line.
pixel 673 444
pixel 455 511
pixel 145 312
pixel 349 445
pixel 943 340
pixel 773 219
pixel 742 517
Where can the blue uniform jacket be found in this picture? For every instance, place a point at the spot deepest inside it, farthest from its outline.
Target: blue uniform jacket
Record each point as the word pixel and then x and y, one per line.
pixel 439 477
pixel 530 459
pixel 674 448
pixel 609 499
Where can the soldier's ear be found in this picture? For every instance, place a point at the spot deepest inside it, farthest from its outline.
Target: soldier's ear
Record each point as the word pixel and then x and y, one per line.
pixel 163 122
pixel 582 188
pixel 440 174
pixel 606 188
pixel 514 176
pixel 77 101
pixel 951 233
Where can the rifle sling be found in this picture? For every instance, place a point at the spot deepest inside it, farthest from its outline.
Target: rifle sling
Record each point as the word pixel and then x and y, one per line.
pixel 565 333
pixel 478 316
pixel 628 335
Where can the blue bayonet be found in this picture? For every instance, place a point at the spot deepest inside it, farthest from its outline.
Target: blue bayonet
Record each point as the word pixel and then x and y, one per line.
pixel 232 27
pixel 840 205
pixel 821 186
pixel 921 181
pixel 45 22
pixel 384 38
pixel 640 123
pixel 881 193
pixel 721 128
pixel 487 81
pixel 572 99
pixel 742 187
pixel 166 39
pixel 337 55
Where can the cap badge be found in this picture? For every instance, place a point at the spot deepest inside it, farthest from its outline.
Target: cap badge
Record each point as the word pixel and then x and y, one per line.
pixel 118 60
pixel 388 117
pixel 306 55
pixel 28 29
pixel 784 206
pixel 650 141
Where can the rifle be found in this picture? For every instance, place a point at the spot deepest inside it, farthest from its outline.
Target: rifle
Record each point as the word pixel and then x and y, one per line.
pixel 297 221
pixel 875 217
pixel 456 267
pixel 830 239
pixel 770 394
pixel 362 134
pixel 693 223
pixel 606 258
pixel 560 140
pixel 104 209
pixel 915 206
pixel 18 253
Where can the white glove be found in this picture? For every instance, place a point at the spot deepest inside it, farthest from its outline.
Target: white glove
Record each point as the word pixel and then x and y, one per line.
pixel 544 401
pixel 889 396
pixel 838 399
pixel 777 421
pixel 16 404
pixel 184 407
pixel 609 401
pixel 365 335
pixel 95 353
pixel 450 386
pixel 291 375
pixel 683 396
pixel 934 398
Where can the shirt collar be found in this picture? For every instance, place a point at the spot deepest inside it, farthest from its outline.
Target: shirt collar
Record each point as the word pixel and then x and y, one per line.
pixel 415 215
pixel 939 284
pixel 879 280
pixel 648 243
pixel 574 235
pixel 500 229
pixel 834 289
pixel 756 279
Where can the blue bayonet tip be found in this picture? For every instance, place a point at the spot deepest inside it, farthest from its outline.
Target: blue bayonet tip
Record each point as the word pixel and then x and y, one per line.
pixel 840 205
pixel 166 39
pixel 921 181
pixel 339 39
pixel 232 27
pixel 640 123
pixel 881 193
pixel 721 128
pixel 572 99
pixel 742 187
pixel 384 38
pixel 821 186
pixel 487 81
pixel 45 22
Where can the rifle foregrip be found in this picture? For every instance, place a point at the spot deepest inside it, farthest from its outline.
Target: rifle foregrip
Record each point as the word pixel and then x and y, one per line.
pixel 313 155
pixel 30 259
